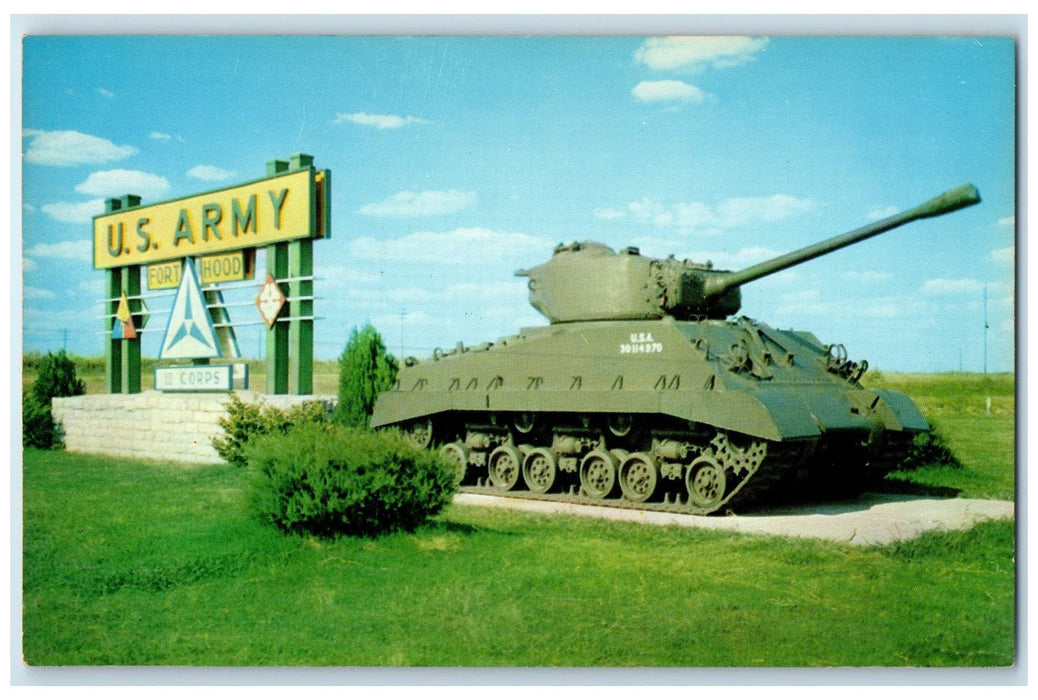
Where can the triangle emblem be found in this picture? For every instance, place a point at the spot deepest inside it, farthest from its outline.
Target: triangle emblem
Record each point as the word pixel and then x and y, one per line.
pixel 190 333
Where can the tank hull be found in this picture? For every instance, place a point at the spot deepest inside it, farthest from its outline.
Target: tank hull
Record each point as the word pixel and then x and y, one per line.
pixel 738 400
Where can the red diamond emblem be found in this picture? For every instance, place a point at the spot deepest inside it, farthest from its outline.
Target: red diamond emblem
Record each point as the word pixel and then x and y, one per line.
pixel 270 301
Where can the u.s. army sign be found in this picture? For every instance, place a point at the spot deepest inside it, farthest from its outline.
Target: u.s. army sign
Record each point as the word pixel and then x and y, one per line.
pixel 252 215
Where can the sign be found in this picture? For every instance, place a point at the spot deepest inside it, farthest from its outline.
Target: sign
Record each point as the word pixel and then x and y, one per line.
pixel 281 208
pixel 228 267
pixel 164 275
pixel 270 301
pixel 122 327
pixel 190 333
pixel 225 267
pixel 194 378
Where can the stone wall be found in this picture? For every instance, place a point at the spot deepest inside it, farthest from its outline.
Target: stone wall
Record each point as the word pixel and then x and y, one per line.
pixel 152 424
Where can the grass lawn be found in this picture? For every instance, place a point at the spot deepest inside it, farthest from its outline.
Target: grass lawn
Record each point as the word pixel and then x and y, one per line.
pixel 152 564
pixel 148 563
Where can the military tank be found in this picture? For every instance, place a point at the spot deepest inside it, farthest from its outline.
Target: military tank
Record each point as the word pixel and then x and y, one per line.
pixel 645 391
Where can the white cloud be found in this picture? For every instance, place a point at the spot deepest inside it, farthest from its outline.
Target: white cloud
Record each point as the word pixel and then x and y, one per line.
pixel 448 247
pixel 114 183
pixel 1003 256
pixel 159 136
pixel 210 173
pixel 667 91
pixel 105 93
pixel 608 214
pixel 942 287
pixel 35 293
pixel 867 276
pixel 696 53
pixel 379 121
pixel 68 148
pixel 69 250
pixel 28 265
pixel 732 213
pixel 75 212
pixel 428 203
pixel 725 260
pixel 1009 221
pixel 882 213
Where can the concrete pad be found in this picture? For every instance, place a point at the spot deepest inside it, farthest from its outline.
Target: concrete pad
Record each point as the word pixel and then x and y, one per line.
pixel 874 519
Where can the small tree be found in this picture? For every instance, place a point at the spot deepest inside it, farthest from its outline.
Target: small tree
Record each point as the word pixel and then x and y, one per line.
pixel 365 370
pixel 56 377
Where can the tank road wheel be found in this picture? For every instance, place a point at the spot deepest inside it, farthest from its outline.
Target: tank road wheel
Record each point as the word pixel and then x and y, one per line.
pixel 540 470
pixel 706 483
pixel 598 474
pixel 456 455
pixel 504 464
pixel 639 477
pixel 419 433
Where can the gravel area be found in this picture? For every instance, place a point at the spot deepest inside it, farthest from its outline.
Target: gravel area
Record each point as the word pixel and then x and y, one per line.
pixel 870 520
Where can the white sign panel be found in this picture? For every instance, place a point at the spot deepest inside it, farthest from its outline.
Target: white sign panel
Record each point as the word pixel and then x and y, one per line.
pixel 194 378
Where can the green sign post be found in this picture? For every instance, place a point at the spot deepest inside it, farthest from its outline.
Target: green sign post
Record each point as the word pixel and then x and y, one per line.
pixel 283 213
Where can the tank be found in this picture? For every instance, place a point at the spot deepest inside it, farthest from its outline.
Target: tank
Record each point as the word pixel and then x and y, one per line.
pixel 647 391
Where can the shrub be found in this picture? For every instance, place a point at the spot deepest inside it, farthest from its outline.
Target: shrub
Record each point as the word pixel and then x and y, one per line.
pixel 930 449
pixel 37 423
pixel 246 421
pixel 365 370
pixel 330 479
pixel 57 377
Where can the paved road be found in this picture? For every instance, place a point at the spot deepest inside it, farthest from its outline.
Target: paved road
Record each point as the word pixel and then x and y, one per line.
pixel 872 519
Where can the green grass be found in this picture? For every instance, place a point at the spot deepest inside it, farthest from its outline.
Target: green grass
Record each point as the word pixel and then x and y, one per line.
pixel 156 564
pixel 956 404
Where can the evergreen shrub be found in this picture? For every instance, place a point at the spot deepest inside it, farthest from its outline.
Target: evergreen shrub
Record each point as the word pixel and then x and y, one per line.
pixel 329 479
pixel 55 378
pixel 37 423
pixel 365 370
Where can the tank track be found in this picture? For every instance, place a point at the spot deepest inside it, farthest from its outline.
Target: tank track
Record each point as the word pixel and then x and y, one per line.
pixel 677 463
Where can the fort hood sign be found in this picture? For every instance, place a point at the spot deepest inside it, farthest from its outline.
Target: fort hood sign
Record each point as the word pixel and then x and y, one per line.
pixel 253 215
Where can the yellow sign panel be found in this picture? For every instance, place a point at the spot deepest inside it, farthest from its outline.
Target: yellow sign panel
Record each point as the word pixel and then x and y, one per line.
pixel 252 215
pixel 164 275
pixel 225 267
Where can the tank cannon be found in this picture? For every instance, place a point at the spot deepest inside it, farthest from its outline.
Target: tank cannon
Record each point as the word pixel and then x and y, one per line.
pixel 587 281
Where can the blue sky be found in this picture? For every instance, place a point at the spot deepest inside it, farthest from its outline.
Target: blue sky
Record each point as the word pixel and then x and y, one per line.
pixel 457 160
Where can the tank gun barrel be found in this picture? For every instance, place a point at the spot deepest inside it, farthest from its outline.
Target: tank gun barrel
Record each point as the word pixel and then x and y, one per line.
pixel 952 200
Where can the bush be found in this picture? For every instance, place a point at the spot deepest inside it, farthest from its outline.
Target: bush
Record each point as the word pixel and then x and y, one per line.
pixel 37 423
pixel 328 479
pixel 246 421
pixel 57 377
pixel 930 449
pixel 365 370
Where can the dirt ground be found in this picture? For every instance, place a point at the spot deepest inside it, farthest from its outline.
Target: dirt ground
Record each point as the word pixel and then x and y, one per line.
pixel 869 520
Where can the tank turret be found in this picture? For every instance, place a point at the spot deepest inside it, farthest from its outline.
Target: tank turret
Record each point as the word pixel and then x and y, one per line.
pixel 588 281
